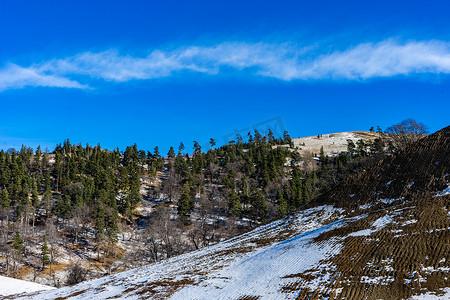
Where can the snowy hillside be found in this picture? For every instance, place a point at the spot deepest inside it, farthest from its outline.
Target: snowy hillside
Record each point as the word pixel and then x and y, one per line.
pixel 236 267
pixel 10 286
pixel 382 234
pixel 317 253
pixel 332 143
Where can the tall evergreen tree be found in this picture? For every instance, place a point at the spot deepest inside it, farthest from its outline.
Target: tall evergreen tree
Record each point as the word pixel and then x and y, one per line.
pixel 171 153
pixel 234 204
pixel 45 253
pixel 181 148
pixel 185 204
pixel 4 200
pixel 282 204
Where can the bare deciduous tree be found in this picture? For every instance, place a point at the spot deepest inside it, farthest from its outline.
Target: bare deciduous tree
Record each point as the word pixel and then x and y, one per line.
pixel 76 274
pixel 406 132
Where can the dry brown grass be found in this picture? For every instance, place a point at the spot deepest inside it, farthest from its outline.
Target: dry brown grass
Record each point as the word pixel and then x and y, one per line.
pixel 399 259
pixel 160 289
pixel 72 295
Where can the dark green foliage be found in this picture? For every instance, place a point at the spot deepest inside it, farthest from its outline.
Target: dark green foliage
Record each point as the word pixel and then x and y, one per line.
pixel 234 204
pixel 17 242
pixel 250 177
pixel 185 203
pixel 4 200
pixel 260 205
pixel 63 205
pixel 45 253
pixel 171 153
pixel 282 204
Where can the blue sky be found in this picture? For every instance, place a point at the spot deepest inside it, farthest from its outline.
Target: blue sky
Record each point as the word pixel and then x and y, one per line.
pixel 161 72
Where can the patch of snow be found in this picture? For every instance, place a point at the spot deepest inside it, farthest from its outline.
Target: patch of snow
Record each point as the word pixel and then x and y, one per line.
pixel 381 280
pixel 11 286
pixel 430 270
pixel 365 232
pixel 364 206
pixel 409 222
pixel 444 192
pixel 389 182
pixel 433 296
pixel 382 222
pixel 410 185
pixel 399 235
pixel 378 224
pixel 390 201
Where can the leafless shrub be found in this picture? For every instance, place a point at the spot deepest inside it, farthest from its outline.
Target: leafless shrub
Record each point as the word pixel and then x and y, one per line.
pixel 76 274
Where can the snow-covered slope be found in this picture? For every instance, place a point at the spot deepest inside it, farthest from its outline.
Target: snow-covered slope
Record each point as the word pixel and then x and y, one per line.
pixel 389 240
pixel 254 263
pixel 317 254
pixel 332 143
pixel 10 286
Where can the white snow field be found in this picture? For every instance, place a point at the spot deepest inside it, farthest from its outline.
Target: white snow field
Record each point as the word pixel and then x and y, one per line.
pixel 254 263
pixel 10 286
pixel 297 257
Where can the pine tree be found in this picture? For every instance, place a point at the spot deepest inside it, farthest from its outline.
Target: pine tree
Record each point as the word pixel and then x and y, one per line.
pixel 181 148
pixel 282 204
pixel 171 153
pixel 100 223
pixel 34 197
pixel 260 205
pixel 184 204
pixel 323 162
pixel 4 200
pixel 156 152
pixel 286 137
pixel 17 242
pixel 234 204
pixel 63 205
pixel 18 245
pixel 112 221
pixel 45 253
pixel 307 188
pixel 212 142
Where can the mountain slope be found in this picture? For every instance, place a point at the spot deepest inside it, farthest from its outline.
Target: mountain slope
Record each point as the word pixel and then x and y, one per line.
pixel 214 266
pixel 423 167
pixel 383 234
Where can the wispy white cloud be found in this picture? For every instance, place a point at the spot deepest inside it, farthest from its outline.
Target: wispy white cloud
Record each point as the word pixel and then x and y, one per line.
pixel 384 59
pixel 280 61
pixel 15 77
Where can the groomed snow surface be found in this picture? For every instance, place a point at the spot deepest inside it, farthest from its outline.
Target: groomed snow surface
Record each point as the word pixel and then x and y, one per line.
pixel 261 264
pixel 247 265
pixel 11 286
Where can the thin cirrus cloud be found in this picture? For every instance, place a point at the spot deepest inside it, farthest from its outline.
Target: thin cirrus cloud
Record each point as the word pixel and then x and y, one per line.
pixel 16 77
pixel 285 62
